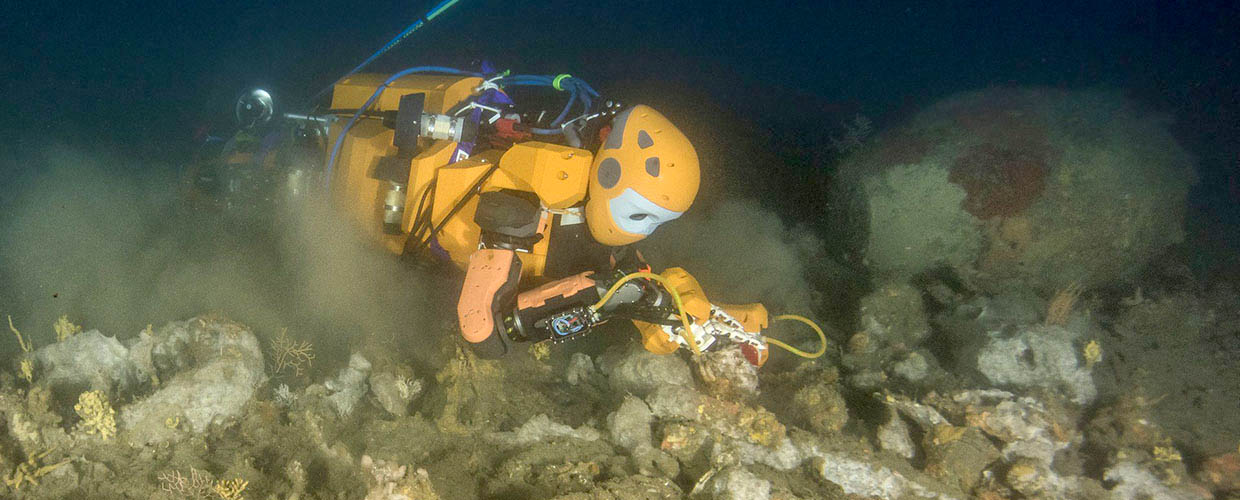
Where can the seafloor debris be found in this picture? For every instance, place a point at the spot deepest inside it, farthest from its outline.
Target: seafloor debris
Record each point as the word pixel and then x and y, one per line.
pixel 192 414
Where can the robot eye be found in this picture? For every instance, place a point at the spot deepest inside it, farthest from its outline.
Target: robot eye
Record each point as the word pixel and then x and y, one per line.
pixel 609 173
pixel 652 166
pixel 643 139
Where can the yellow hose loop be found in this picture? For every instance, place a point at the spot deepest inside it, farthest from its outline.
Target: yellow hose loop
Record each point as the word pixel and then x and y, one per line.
pixel 680 306
pixel 822 337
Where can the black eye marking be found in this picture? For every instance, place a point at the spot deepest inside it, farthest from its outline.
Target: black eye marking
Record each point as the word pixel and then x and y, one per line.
pixel 643 139
pixel 609 173
pixel 639 216
pixel 652 166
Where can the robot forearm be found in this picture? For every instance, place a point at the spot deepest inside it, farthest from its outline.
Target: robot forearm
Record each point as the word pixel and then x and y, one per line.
pixel 570 307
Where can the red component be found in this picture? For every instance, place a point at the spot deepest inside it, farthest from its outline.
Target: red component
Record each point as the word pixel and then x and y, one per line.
pixel 507 128
pixel 602 133
pixel 755 356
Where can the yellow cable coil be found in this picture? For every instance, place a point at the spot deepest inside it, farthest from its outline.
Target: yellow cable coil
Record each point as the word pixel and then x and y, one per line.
pixel 822 337
pixel 684 318
pixel 680 306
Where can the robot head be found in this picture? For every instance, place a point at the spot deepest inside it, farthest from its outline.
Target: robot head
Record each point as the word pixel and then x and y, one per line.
pixel 646 173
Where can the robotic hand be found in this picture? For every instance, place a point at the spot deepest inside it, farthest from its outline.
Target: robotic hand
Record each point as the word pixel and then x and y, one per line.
pixel 669 309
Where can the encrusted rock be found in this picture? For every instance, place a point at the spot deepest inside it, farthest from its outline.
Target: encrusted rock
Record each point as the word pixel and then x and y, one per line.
pixel 394 392
pixel 893 315
pixel 639 372
pixel 736 483
pixel 87 361
pixel 630 424
pixel 821 407
pixel 225 368
pixel 959 454
pixel 1040 356
pixel 580 369
pixel 866 479
pixel 913 368
pixel 735 421
pixel 893 436
pixel 725 373
pixel 540 428
pixel 1133 482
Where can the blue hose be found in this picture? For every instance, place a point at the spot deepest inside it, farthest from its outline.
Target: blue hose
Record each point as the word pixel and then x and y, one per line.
pixel 400 37
pixel 578 90
pixel 331 161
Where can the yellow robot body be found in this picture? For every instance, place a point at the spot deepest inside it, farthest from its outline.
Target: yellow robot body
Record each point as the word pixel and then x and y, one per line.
pixel 354 190
pixel 557 175
pixel 646 174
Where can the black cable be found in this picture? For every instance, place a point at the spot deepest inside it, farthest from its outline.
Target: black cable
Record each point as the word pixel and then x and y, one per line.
pixel 469 195
pixel 422 214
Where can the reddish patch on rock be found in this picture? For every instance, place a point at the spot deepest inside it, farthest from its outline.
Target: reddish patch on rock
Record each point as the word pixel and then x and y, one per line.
pixel 1000 181
pixel 1222 472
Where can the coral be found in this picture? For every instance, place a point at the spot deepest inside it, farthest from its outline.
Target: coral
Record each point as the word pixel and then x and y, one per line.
pixel 289 353
pixel 1061 304
pixel 65 328
pixel 20 341
pixel 197 486
pixel 27 370
pixel 855 134
pixel 231 489
pixel 26 367
pixel 1092 353
pixel 349 385
pixel 30 471
pixel 97 414
pixel 1000 181
pixel 395 391
pixel 283 396
pixel 393 482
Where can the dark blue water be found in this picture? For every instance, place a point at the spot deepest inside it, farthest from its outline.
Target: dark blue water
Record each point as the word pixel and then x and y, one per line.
pixel 767 82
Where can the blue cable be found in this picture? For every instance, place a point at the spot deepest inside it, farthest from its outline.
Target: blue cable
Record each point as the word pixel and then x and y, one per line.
pixel 331 162
pixel 572 97
pixel 578 90
pixel 430 14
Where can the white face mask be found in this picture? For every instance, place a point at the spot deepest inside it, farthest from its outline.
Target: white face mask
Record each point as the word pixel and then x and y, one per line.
pixel 635 214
